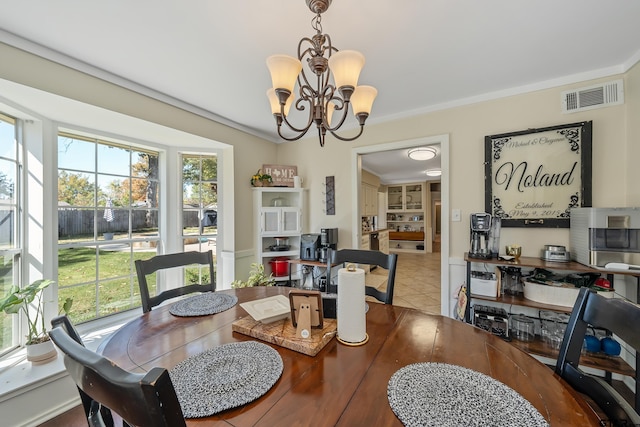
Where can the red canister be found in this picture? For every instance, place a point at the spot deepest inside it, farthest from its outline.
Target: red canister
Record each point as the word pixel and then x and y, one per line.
pixel 280 266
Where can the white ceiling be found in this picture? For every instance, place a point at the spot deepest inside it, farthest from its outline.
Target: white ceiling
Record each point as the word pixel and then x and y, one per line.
pixel 421 55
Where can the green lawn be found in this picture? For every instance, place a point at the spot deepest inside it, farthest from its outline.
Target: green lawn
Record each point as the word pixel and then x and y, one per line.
pixel 116 291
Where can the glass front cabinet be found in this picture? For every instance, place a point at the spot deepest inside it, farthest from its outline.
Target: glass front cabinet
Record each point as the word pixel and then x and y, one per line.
pixel 405 197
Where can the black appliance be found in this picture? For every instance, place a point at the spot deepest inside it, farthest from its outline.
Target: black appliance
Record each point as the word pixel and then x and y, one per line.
pixel 309 244
pixel 480 233
pixel 329 238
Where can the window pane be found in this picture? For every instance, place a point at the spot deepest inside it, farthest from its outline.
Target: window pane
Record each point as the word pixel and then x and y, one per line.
pixel 7 228
pixel 190 221
pixel 76 189
pixel 75 224
pixel 8 274
pixel 190 168
pixel 144 165
pixel 8 146
pixel 76 154
pixel 115 260
pixel 84 302
pixel 210 169
pixel 7 180
pixel 113 160
pixel 116 296
pixel 114 222
pixel 145 222
pixel 76 265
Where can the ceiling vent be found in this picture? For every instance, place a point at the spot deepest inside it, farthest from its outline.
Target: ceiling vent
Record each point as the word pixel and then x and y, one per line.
pixel 597 96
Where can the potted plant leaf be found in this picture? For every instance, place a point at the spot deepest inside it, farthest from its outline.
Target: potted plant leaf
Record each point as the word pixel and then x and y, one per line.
pixel 257 277
pixel 29 300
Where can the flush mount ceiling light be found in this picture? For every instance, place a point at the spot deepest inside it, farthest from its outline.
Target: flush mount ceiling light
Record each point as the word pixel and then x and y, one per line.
pixel 422 153
pixel 316 91
pixel 433 172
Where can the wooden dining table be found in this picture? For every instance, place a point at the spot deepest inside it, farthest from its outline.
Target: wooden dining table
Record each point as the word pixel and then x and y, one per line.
pixel 345 385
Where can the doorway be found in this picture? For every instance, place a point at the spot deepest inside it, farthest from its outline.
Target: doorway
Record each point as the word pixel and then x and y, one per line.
pixel 442 224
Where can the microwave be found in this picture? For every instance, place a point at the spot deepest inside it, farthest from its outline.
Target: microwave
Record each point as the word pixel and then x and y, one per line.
pixel 598 236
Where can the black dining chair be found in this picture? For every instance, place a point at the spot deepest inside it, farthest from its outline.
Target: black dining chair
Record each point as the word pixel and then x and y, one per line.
pixel 140 399
pixel 162 262
pixel 618 316
pixel 91 408
pixel 361 256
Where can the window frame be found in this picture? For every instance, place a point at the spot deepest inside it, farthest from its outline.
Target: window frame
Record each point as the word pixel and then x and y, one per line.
pixel 16 251
pixel 131 240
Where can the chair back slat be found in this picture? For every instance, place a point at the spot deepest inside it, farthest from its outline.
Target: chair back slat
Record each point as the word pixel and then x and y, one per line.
pixel 369 257
pixel 162 262
pixel 618 316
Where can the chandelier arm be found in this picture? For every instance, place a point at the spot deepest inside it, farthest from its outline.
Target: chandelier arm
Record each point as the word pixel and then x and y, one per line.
pixel 293 138
pixel 348 139
pixel 345 112
pixel 299 108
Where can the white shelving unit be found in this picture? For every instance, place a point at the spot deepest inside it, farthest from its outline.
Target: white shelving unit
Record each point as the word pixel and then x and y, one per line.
pixel 406 217
pixel 279 213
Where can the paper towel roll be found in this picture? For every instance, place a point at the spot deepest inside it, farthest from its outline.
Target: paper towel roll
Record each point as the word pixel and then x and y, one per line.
pixel 352 324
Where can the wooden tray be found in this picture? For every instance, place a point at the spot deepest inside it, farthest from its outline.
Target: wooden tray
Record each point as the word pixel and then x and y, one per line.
pixel 283 333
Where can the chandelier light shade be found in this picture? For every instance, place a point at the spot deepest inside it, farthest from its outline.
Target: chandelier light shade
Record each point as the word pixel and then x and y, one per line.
pixel 422 153
pixel 325 87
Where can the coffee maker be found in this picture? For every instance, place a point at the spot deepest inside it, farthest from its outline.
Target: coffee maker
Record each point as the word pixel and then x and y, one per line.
pixel 328 240
pixel 309 244
pixel 480 235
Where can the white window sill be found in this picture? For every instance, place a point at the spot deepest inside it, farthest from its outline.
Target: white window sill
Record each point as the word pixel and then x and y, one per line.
pixel 18 376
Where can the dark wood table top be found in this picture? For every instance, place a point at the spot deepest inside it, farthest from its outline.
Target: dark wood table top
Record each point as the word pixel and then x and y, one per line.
pixel 345 385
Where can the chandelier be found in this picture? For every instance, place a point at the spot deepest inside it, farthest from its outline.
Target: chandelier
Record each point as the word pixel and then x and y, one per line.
pixel 316 91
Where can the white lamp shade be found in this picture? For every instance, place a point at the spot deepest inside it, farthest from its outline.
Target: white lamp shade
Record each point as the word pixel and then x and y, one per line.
pixel 345 66
pixel 362 99
pixel 284 71
pixel 275 103
pixel 434 172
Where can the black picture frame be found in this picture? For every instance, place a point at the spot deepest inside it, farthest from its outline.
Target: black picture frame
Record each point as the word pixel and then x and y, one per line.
pixel 534 177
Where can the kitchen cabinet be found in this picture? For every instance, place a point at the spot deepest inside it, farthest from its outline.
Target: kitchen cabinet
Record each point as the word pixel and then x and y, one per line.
pixel 537 346
pixel 365 242
pixel 405 197
pixel 406 217
pixel 383 241
pixel 279 213
pixel 368 200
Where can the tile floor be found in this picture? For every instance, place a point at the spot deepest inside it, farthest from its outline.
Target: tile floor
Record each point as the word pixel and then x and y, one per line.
pixel 417 281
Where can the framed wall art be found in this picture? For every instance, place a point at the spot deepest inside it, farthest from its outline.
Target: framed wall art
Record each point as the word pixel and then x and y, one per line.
pixel 534 177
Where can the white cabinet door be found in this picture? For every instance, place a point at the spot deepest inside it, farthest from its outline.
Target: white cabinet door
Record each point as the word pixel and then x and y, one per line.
pixel 280 220
pixel 291 220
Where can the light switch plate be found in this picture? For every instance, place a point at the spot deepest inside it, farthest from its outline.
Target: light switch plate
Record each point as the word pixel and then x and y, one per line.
pixel 455 215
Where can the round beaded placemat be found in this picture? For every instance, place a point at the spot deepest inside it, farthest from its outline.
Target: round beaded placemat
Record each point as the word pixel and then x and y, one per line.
pixel 439 394
pixel 225 377
pixel 203 304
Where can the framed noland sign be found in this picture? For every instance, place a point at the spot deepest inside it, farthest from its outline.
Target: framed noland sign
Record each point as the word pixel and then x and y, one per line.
pixel 534 177
pixel 281 175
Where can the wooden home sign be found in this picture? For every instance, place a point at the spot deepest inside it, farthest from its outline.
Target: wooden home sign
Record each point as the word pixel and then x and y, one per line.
pixel 281 175
pixel 534 177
